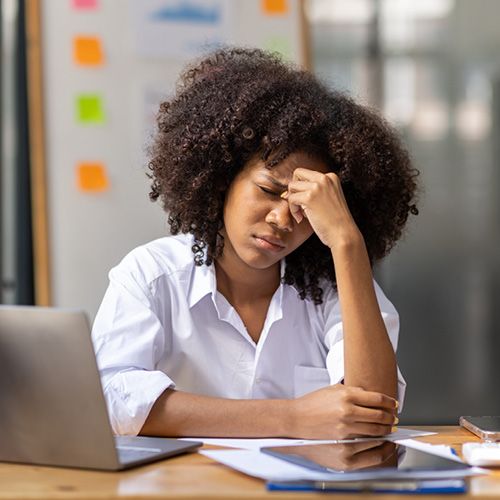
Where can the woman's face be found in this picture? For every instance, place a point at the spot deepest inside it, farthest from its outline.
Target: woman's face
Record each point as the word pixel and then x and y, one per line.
pixel 258 227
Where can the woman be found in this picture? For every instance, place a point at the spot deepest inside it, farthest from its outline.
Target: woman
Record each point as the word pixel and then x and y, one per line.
pixel 260 316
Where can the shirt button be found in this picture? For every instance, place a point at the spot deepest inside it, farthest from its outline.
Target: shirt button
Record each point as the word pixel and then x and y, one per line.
pixel 258 381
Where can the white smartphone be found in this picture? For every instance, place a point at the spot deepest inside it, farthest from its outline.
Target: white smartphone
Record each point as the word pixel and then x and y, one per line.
pixel 487 428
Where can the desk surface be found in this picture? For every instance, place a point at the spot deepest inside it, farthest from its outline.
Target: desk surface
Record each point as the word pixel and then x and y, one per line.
pixel 190 476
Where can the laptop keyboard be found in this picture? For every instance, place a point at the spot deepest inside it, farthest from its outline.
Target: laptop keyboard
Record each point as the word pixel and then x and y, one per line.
pixel 128 454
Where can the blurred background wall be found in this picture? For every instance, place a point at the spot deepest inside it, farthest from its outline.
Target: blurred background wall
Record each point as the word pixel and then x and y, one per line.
pixel 106 66
pixel 432 67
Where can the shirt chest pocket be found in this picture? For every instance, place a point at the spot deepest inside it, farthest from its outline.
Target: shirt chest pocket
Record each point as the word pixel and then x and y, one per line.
pixel 309 378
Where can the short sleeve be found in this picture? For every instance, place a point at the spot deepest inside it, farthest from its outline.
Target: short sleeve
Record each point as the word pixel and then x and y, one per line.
pixel 334 337
pixel 129 340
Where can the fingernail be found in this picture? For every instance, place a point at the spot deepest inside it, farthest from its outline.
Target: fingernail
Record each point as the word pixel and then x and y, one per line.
pixel 397 405
pixel 284 195
pixel 396 421
pixel 394 428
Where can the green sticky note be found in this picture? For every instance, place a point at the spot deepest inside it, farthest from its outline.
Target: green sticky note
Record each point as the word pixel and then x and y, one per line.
pixel 89 109
pixel 279 44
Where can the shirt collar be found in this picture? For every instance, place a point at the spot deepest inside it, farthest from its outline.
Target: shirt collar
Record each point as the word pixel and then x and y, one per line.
pixel 204 282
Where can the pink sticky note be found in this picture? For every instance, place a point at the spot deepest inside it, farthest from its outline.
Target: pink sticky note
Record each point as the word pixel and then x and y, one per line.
pixel 85 4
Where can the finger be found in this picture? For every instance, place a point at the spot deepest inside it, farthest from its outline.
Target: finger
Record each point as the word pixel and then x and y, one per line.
pixel 361 429
pixel 296 202
pixel 374 415
pixel 360 446
pixel 298 186
pixel 372 399
pixel 304 174
pixel 389 450
pixel 373 457
pixel 300 199
pixel 297 213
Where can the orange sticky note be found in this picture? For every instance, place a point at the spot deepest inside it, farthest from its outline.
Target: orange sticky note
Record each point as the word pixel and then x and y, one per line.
pixel 92 177
pixel 273 7
pixel 87 51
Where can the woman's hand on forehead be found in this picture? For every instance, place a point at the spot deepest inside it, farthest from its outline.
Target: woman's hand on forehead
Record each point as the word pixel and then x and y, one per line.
pixel 319 197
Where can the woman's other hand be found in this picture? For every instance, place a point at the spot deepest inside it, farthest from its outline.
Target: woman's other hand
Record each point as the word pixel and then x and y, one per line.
pixel 342 412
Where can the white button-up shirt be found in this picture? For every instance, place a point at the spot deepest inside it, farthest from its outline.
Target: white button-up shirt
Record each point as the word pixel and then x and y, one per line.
pixel 162 323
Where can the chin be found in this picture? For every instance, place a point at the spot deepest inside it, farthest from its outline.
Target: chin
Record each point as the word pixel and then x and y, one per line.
pixel 259 261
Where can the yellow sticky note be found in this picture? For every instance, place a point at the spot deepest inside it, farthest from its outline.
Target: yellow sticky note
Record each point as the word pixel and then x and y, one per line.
pixel 87 51
pixel 273 7
pixel 89 109
pixel 92 177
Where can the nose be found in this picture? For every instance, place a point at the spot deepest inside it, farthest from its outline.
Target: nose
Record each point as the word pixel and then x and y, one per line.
pixel 280 217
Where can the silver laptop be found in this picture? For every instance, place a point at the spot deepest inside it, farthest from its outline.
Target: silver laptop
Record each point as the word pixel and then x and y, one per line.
pixel 52 408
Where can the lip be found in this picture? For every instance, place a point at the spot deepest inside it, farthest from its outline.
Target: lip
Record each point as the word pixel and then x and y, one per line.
pixel 270 243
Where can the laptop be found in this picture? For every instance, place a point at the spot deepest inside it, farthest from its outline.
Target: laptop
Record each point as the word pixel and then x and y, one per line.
pixel 52 407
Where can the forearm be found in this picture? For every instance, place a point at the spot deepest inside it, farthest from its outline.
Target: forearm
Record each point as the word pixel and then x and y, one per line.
pixel 177 413
pixel 369 358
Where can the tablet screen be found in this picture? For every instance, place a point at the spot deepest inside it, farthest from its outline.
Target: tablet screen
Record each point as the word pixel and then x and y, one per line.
pixel 362 456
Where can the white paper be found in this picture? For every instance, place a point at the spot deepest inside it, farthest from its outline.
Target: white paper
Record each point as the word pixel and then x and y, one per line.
pixel 441 450
pixel 257 444
pixel 257 464
pixel 482 454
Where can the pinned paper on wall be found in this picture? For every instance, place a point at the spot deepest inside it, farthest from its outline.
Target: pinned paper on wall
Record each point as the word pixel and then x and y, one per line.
pixel 89 109
pixel 274 7
pixel 190 27
pixel 87 51
pixel 92 177
pixel 85 4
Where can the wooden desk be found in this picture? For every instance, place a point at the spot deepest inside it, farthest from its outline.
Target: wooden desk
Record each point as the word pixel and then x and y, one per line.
pixel 191 476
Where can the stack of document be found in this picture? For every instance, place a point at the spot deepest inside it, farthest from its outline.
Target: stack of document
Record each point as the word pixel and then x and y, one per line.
pixel 394 463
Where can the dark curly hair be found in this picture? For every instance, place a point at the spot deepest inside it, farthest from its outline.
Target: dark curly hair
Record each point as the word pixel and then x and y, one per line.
pixel 237 103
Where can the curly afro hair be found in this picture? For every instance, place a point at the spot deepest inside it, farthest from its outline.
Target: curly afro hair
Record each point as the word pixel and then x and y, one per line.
pixel 236 104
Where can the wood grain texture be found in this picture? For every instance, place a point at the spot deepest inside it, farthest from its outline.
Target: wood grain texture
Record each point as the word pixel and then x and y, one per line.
pixel 191 476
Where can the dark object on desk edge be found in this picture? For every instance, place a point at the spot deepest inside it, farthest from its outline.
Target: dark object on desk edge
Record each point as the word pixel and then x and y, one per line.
pixel 486 427
pixel 438 486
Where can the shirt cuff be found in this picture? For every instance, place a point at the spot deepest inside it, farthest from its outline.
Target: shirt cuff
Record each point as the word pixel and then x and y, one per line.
pixel 130 395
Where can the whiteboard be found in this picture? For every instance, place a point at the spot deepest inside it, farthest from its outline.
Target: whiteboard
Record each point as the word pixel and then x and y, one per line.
pixel 89 233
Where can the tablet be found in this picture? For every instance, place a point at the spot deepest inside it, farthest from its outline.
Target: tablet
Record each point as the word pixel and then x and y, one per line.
pixel 370 458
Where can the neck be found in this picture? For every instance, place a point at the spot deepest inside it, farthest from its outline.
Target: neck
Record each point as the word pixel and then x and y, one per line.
pixel 241 284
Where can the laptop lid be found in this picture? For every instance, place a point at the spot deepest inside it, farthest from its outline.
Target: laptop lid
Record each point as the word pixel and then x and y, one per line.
pixel 52 408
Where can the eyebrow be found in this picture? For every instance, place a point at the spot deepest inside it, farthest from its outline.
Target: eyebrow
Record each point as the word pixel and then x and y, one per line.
pixel 273 181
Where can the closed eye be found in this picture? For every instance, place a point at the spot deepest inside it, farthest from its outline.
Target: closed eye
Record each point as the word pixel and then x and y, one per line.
pixel 268 191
